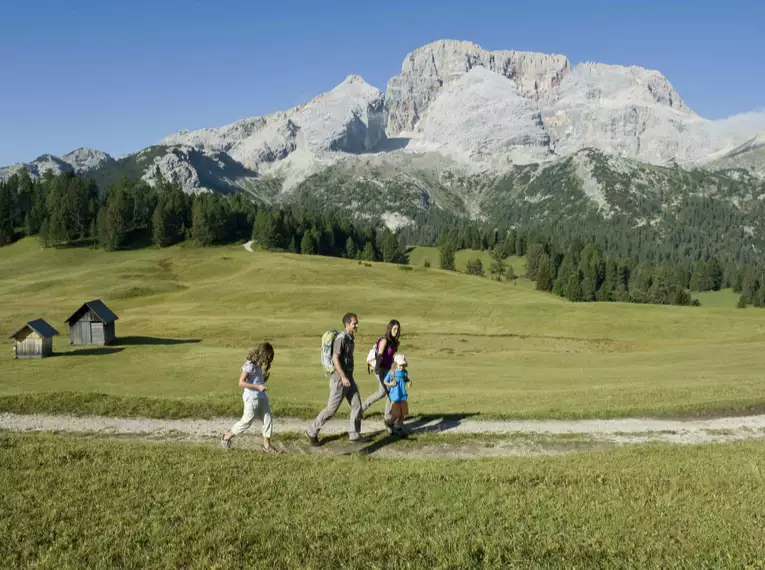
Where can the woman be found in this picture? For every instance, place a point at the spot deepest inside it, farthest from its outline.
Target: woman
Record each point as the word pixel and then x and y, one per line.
pixel 387 346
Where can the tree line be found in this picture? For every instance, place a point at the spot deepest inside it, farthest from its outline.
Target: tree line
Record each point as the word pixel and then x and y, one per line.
pixel 582 273
pixel 64 209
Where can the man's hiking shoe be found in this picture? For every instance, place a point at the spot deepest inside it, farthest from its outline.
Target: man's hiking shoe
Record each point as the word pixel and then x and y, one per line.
pixel 313 439
pixel 224 443
pixel 360 439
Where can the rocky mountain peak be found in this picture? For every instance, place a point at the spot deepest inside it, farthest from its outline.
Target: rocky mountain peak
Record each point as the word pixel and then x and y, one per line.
pixel 430 68
pixel 84 159
pixel 599 83
pixel 453 103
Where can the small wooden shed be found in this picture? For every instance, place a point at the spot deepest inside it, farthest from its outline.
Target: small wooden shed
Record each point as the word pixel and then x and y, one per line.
pixel 33 340
pixel 92 324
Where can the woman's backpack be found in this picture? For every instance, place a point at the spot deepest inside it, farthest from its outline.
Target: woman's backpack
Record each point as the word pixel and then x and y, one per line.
pixel 372 356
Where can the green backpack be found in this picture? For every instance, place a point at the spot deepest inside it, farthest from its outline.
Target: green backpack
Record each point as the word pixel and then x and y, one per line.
pixel 327 343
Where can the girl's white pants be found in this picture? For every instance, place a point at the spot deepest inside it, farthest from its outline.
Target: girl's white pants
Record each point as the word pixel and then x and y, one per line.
pixel 255 408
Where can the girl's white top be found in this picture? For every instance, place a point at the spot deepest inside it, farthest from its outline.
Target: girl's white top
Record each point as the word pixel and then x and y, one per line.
pixel 254 376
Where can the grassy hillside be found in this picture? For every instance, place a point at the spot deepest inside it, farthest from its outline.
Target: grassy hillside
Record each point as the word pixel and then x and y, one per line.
pixel 476 346
pixel 420 254
pixel 718 299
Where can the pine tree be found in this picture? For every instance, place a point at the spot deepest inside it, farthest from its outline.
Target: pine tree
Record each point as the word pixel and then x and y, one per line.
pixel 497 268
pixel 264 229
pixel 28 224
pixel 56 231
pixel 681 297
pixel 201 231
pixel 100 227
pixel 533 257
pixel 93 229
pixel 622 277
pixel 737 281
pixel 509 244
pixel 391 250
pixel 369 252
pixel 758 296
pixel 750 285
pixel 92 213
pixel 115 227
pixel 474 267
pixel 308 243
pixel 520 244
pixel 158 227
pixel 350 248
pixel 574 288
pixel 44 233
pixel 544 280
pixel 761 294
pixel 664 290
pixel 448 254
pixel 7 208
pixel 714 274
pixel 607 290
pixel 641 279
pixel 511 276
pixel 699 277
pixel 588 288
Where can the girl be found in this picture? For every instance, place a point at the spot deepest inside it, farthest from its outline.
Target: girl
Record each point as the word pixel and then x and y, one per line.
pixel 387 346
pixel 253 379
pixel 396 381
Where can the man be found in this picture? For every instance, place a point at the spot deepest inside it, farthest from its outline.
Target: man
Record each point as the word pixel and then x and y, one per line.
pixel 341 384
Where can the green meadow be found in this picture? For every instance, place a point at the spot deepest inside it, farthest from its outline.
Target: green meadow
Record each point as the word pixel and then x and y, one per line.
pixel 187 317
pixel 476 347
pixel 85 502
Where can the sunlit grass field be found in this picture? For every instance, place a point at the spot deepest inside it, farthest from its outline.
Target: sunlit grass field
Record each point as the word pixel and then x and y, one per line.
pixel 83 502
pixel 419 255
pixel 725 299
pixel 475 346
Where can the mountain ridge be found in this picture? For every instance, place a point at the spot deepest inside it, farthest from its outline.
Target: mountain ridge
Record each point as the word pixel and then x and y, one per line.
pixel 455 112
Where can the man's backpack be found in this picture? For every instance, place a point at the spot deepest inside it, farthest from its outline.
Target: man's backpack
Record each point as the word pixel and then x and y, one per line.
pixel 327 343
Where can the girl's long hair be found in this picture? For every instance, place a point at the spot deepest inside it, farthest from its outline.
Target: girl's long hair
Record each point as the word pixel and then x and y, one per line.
pixel 389 334
pixel 262 355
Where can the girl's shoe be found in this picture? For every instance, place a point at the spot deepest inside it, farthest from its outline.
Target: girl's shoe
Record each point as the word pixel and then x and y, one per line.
pixel 270 450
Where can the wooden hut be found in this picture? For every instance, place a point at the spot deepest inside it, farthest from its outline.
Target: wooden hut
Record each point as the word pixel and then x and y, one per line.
pixel 92 324
pixel 33 340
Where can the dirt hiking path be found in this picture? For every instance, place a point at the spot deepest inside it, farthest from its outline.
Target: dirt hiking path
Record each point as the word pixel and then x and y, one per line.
pixel 447 437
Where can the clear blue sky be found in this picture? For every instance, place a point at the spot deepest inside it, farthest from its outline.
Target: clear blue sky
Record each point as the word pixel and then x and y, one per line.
pixel 118 76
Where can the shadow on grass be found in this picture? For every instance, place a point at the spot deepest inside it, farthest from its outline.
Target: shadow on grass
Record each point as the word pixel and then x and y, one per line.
pixel 90 351
pixel 150 340
pixel 426 423
pixel 324 440
pixel 423 423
